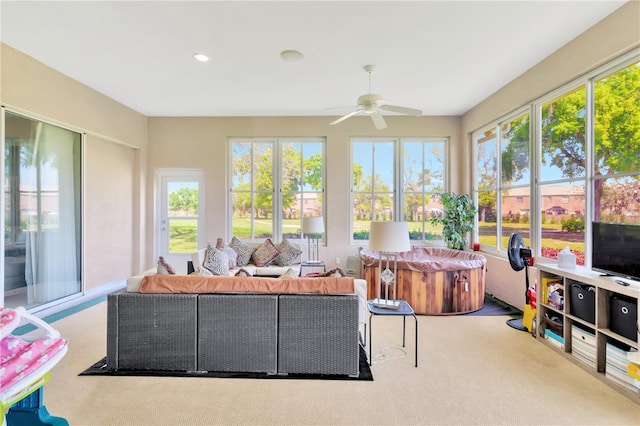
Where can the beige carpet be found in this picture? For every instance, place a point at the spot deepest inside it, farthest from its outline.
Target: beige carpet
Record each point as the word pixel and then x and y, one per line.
pixel 472 370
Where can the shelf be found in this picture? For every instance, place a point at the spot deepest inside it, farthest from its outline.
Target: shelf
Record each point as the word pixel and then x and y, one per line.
pixel 594 306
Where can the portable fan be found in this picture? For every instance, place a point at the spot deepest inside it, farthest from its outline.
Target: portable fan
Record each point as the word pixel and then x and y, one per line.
pixel 519 256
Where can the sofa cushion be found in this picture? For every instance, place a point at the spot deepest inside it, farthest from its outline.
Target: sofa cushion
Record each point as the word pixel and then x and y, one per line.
pixel 265 253
pixel 216 261
pixel 289 274
pixel 289 254
pixel 243 251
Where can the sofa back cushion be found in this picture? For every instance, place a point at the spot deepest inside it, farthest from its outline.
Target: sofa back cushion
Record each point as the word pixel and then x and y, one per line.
pixel 220 284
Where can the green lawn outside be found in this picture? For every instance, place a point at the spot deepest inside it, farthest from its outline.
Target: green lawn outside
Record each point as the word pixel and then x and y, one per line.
pixel 183 233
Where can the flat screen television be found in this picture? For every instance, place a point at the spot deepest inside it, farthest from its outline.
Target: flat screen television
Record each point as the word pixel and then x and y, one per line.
pixel 616 249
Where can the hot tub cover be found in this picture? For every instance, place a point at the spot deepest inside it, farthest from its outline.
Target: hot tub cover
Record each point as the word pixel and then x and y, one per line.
pixel 430 259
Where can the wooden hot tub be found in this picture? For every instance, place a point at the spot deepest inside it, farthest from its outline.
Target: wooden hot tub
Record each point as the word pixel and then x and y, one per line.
pixel 434 281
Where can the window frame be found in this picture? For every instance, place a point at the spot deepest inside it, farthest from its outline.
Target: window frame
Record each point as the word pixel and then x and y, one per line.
pixel 277 190
pixel 500 184
pixel 398 164
pixel 535 108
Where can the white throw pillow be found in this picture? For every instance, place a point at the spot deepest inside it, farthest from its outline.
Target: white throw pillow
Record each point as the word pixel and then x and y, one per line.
pixel 216 261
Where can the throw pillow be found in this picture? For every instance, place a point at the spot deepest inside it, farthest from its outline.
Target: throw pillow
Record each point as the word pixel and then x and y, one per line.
pixel 233 256
pixel 289 254
pixel 265 253
pixel 243 273
pixel 164 268
pixel 289 274
pixel 333 273
pixel 216 261
pixel 243 251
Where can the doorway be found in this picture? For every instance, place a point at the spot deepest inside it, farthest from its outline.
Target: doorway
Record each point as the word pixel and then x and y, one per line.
pixel 179 218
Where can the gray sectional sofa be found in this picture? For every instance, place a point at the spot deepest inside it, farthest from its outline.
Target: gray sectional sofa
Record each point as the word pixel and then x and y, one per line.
pixel 234 332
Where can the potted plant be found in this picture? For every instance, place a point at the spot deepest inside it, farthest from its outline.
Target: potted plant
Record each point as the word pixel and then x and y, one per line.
pixel 457 218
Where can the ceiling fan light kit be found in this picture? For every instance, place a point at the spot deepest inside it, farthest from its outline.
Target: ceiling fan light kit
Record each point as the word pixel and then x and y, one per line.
pixel 371 104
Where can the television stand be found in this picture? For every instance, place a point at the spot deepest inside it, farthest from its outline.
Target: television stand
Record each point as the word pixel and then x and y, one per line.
pixel 595 324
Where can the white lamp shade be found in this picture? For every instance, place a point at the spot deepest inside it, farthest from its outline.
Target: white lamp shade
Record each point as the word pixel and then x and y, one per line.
pixel 312 225
pixel 391 237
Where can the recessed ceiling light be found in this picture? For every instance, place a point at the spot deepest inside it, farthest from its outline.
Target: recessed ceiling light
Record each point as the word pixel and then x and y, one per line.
pixel 291 55
pixel 201 57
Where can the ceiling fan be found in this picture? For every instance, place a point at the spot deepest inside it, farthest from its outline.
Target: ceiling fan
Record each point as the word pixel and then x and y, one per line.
pixel 371 104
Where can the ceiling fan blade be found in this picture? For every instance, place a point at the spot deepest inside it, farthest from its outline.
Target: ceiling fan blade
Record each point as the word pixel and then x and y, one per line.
pixel 401 109
pixel 378 121
pixel 344 117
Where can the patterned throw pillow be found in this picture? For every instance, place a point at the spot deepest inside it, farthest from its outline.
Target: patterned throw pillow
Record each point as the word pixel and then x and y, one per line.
pixel 165 268
pixel 243 251
pixel 243 273
pixel 233 256
pixel 289 274
pixel 216 261
pixel 338 272
pixel 265 253
pixel 289 254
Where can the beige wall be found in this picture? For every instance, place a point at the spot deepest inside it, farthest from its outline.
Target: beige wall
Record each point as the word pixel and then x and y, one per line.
pixel 114 133
pixel 619 33
pixel 108 207
pixel 202 143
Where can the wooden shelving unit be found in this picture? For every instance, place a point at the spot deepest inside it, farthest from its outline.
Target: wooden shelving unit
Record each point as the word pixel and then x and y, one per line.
pixel 575 326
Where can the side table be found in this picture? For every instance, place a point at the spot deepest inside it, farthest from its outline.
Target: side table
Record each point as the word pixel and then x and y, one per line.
pixel 404 310
pixel 306 264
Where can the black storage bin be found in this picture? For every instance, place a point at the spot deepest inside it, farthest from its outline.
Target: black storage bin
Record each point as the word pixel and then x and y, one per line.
pixel 583 302
pixel 623 317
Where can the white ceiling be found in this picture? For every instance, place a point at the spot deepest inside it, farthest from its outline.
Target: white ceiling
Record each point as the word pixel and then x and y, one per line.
pixel 442 57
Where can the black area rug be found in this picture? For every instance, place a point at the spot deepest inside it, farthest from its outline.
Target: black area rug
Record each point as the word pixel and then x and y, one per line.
pixel 100 369
pixel 493 306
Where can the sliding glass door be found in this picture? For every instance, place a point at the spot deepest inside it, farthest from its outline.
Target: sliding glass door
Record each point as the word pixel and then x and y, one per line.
pixel 42 212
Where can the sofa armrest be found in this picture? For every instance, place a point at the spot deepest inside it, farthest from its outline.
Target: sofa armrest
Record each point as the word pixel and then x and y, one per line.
pixel 360 288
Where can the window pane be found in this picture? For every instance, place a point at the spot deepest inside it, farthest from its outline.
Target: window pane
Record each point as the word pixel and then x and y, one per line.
pixel 313 166
pixel 562 217
pixel 291 167
pixel 362 165
pixel 434 167
pixel 252 189
pixel 422 177
pixel 487 218
pixel 241 166
pixel 486 159
pixel 383 167
pixel 302 184
pixel 183 235
pixel 563 137
pixel 515 151
pixel 383 207
pixel 617 122
pixel 373 184
pixel 183 216
pixel 263 166
pixel 617 200
pixel 515 214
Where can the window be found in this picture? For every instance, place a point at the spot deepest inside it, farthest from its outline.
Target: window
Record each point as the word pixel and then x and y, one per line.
pixel 373 177
pixel 274 183
pixel 616 165
pixel 397 179
pixel 503 203
pixel 587 150
pixel 563 173
pixel 422 178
